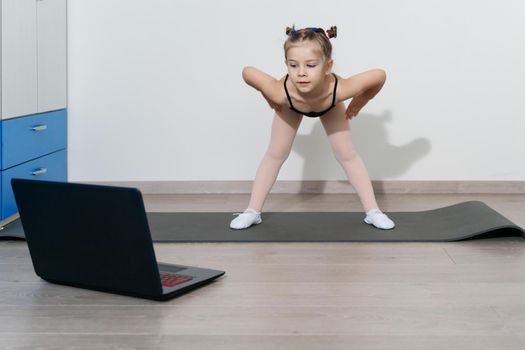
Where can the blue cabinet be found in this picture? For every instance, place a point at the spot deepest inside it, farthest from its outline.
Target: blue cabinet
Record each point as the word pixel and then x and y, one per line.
pixel 33 147
pixel 33 95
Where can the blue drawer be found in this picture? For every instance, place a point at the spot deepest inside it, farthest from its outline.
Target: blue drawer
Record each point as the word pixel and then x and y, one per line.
pixel 33 136
pixel 52 167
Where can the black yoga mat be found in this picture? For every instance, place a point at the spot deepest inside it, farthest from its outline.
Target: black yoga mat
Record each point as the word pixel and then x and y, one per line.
pixel 461 221
pixel 465 220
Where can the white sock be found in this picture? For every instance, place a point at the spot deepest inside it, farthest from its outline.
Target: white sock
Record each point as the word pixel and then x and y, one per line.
pixel 377 218
pixel 246 219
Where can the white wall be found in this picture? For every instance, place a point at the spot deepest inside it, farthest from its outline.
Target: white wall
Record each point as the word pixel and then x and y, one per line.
pixel 156 93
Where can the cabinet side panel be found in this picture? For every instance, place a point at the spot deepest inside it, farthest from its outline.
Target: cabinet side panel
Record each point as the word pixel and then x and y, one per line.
pixel 52 55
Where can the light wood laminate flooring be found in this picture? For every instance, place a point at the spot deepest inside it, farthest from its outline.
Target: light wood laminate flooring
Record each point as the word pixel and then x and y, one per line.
pixel 459 295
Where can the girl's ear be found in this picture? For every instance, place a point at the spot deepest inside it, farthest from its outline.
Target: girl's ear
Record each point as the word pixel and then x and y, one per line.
pixel 329 66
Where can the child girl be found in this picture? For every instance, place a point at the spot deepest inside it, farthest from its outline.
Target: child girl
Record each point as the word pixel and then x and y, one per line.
pixel 311 89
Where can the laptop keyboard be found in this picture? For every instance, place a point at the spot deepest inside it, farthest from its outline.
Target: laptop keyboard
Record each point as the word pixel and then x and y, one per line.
pixel 170 280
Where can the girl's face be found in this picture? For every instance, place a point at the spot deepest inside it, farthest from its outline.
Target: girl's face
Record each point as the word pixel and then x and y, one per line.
pixel 307 66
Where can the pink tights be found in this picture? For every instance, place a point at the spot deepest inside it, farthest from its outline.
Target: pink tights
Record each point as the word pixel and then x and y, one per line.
pixel 284 129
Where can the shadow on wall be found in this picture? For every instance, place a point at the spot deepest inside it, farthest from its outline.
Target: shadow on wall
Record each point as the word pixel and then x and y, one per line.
pixel 370 138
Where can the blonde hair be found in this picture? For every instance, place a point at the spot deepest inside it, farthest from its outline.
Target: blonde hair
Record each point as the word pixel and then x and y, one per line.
pixel 315 34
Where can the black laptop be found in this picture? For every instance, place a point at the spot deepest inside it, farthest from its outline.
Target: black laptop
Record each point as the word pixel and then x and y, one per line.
pixel 97 237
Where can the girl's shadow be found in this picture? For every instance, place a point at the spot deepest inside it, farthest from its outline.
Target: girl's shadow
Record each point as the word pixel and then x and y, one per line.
pixel 370 137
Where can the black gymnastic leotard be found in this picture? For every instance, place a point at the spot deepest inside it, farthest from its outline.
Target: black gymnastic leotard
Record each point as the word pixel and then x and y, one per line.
pixel 311 114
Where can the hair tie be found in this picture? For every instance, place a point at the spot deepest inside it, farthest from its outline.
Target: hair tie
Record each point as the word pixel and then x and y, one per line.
pixel 332 32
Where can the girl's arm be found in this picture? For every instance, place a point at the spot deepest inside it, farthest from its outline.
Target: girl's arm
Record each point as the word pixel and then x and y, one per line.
pixel 361 88
pixel 266 84
pixel 368 83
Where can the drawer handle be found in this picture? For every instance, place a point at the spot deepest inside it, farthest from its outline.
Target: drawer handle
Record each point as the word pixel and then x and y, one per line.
pixel 40 171
pixel 39 127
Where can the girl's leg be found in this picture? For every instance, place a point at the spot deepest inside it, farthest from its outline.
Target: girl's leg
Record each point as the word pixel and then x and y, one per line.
pixel 338 131
pixel 284 129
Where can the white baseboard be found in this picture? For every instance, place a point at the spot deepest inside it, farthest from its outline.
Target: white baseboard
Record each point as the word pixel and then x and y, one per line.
pixel 380 187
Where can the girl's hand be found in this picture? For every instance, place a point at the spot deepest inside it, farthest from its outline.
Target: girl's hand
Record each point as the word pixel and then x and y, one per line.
pixel 355 105
pixel 272 104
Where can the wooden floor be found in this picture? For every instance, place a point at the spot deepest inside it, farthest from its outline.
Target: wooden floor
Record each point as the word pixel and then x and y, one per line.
pixel 463 295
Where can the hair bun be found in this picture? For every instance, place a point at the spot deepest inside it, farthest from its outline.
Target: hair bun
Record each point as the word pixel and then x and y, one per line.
pixel 290 31
pixel 332 32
